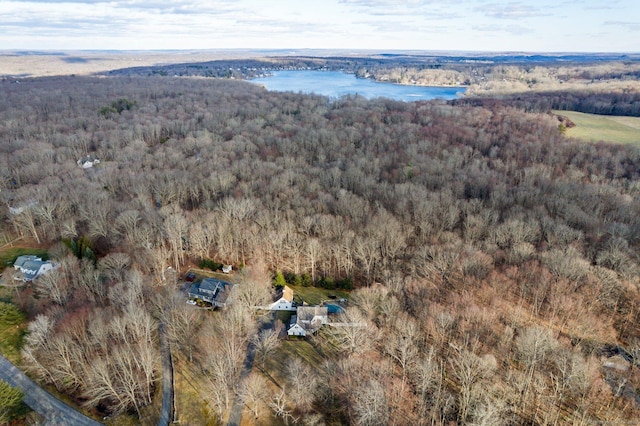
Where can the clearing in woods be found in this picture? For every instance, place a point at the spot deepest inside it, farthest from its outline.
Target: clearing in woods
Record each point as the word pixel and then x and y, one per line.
pixel 608 128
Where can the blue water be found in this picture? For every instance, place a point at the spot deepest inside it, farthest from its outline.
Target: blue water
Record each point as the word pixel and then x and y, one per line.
pixel 335 84
pixel 334 309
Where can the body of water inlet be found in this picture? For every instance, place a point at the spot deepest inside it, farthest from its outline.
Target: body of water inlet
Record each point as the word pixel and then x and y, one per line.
pixel 335 84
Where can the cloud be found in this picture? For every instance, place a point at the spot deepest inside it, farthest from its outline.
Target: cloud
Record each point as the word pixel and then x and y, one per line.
pixel 384 3
pixel 397 27
pixel 511 29
pixel 372 24
pixel 510 11
pixel 159 6
pixel 426 8
pixel 631 26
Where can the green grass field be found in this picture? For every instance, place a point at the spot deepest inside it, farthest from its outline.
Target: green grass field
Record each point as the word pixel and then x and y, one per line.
pixel 12 329
pixel 315 295
pixel 592 127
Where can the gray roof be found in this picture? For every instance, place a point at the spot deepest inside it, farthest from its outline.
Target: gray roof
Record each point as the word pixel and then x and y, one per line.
pixel 306 315
pixel 30 268
pixel 20 261
pixel 211 290
pixel 212 284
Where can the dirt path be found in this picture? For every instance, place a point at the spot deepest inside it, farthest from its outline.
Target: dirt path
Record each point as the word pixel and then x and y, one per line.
pixel 42 402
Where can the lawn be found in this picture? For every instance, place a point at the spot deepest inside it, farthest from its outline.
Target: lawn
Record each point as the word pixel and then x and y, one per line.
pixel 190 407
pixel 592 127
pixel 12 329
pixel 315 295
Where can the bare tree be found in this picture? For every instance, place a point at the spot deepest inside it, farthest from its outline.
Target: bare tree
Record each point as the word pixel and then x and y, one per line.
pixel 54 285
pixel 469 369
pixel 183 323
pixel 533 345
pixel 370 405
pixel 254 393
pixel 265 342
pixel 353 333
pixel 279 406
pixel 176 227
pixel 402 345
pixel 24 222
pixel 302 384
pixel 313 253
pixel 254 288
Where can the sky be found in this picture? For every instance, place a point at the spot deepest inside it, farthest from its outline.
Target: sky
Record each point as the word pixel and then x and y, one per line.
pixel 433 25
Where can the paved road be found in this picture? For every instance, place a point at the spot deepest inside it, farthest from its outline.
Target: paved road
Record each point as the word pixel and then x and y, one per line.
pixel 238 403
pixel 55 412
pixel 167 378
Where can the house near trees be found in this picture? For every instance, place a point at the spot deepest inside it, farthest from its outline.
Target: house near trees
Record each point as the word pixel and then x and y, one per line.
pixel 211 290
pixel 88 162
pixel 32 267
pixel 296 329
pixel 308 320
pixel 284 301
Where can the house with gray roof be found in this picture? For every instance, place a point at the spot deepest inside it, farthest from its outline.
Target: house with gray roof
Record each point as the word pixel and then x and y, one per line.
pixel 21 260
pixel 211 290
pixel 32 267
pixel 308 320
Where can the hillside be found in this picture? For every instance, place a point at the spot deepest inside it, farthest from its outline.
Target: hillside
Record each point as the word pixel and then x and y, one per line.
pixel 494 260
pixel 592 127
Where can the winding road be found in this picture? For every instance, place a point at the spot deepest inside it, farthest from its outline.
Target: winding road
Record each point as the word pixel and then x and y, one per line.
pixel 54 411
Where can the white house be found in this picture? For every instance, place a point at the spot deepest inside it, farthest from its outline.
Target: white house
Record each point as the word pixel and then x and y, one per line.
pixel 32 267
pixel 296 329
pixel 308 320
pixel 313 317
pixel 87 162
pixel 285 302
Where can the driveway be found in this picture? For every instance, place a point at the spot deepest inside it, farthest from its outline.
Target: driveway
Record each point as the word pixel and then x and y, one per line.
pixel 238 403
pixel 54 411
pixel 167 377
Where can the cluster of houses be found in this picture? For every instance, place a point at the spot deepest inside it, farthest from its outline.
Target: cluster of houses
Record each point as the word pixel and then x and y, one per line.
pixel 31 267
pixel 306 320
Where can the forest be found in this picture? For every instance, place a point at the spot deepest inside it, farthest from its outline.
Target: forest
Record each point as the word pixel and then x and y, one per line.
pixel 494 260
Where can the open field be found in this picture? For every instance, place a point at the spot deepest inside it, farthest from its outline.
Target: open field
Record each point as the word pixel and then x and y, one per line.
pixel 592 127
pixel 41 64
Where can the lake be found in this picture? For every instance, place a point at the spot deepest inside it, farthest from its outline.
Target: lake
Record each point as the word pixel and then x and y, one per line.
pixel 335 84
